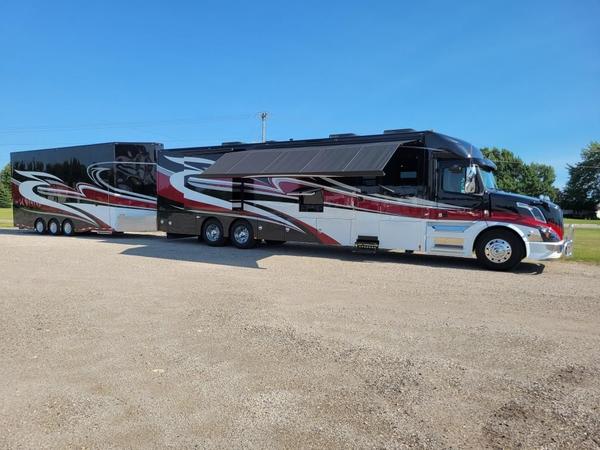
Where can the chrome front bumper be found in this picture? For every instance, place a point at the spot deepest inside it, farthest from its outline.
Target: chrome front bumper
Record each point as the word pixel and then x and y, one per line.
pixel 553 250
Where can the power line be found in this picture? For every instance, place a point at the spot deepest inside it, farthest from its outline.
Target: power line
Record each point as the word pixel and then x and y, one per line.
pixel 109 125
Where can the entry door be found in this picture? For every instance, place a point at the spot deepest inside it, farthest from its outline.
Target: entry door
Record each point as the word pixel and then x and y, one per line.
pixel 367 217
pixel 335 222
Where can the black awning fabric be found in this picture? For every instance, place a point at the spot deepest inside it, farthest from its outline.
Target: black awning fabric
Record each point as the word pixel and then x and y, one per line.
pixel 332 160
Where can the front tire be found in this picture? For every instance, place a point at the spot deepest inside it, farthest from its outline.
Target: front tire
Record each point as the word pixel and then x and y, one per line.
pixel 499 250
pixel 53 227
pixel 242 234
pixel 212 233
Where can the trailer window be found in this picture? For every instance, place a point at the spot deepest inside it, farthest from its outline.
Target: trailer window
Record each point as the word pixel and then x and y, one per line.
pixel 312 202
pixel 134 169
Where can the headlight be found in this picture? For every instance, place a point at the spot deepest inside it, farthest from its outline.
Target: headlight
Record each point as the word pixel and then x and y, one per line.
pixel 533 210
pixel 548 234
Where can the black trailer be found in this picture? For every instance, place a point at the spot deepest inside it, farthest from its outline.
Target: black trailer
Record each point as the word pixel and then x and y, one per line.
pixel 108 187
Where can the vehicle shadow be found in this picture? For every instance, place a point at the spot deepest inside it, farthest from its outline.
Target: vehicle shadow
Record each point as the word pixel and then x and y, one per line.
pixel 152 245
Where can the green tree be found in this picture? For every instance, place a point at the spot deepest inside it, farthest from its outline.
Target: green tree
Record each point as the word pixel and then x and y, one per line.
pixel 5 187
pixel 514 175
pixel 582 192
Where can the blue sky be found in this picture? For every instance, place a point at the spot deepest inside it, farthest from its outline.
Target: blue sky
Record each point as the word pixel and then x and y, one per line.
pixel 522 75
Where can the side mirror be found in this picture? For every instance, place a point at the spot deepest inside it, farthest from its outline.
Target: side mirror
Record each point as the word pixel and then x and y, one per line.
pixel 471 180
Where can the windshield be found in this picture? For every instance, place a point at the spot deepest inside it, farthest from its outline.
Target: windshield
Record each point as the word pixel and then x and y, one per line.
pixel 488 179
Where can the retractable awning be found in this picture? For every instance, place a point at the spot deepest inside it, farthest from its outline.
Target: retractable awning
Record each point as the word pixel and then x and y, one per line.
pixel 332 160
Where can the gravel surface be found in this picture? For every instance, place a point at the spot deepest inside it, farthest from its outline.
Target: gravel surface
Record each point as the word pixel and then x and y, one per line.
pixel 136 341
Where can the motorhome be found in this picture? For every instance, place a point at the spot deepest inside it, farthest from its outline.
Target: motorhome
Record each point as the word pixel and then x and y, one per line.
pixel 415 191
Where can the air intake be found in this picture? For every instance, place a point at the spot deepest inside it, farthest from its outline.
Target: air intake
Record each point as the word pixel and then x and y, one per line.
pixel 341 135
pixel 400 130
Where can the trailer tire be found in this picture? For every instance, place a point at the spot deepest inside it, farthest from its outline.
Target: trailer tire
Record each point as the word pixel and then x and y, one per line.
pixel 212 233
pixel 242 234
pixel 67 228
pixel 499 249
pixel 53 227
pixel 39 226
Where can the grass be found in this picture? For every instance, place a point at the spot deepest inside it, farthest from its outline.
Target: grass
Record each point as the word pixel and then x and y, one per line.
pixel 586 245
pixel 6 217
pixel 583 221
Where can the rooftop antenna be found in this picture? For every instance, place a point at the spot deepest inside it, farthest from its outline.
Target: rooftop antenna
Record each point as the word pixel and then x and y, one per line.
pixel 263 121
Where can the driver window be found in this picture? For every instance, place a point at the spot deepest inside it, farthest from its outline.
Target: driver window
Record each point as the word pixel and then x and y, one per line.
pixel 453 179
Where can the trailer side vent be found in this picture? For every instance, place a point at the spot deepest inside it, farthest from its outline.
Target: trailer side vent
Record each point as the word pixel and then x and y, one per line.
pixel 366 244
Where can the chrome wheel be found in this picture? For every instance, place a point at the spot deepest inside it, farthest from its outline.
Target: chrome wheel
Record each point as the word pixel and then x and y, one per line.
pixel 212 232
pixel 39 226
pixel 53 227
pixel 498 251
pixel 67 228
pixel 241 234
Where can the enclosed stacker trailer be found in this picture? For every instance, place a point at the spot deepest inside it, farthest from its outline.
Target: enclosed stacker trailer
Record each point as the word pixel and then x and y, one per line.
pixel 106 188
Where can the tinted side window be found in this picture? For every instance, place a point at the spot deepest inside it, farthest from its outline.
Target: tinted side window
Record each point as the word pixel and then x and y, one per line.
pixel 313 202
pixel 453 179
pixel 134 168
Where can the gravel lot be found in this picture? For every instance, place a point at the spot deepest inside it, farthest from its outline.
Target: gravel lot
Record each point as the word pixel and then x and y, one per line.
pixel 136 341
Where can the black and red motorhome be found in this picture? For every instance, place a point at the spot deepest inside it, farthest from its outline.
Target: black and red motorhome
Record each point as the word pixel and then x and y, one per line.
pixel 404 189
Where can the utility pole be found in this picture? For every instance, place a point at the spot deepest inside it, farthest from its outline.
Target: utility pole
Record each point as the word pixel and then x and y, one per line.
pixel 263 119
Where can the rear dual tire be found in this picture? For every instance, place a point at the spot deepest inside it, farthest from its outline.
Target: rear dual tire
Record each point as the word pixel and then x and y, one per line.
pixel 242 234
pixel 212 233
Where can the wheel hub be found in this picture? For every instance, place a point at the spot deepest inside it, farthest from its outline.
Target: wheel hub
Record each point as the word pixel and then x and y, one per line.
pixel 498 251
pixel 212 232
pixel 241 235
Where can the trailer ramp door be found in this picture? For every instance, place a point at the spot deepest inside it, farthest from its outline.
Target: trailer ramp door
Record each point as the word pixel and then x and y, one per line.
pixel 331 160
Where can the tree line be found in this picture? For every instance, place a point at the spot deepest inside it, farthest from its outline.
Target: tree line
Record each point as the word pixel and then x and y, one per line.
pixel 581 193
pixel 5 187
